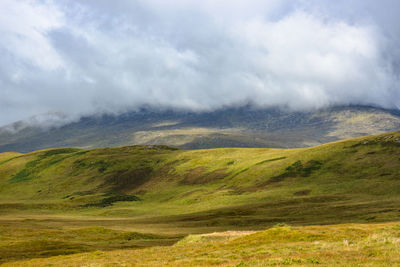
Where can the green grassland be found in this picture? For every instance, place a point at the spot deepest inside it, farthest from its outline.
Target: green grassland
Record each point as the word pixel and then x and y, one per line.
pixel 65 201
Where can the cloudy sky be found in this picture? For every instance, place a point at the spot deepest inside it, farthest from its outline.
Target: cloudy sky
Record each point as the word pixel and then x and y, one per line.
pixel 94 56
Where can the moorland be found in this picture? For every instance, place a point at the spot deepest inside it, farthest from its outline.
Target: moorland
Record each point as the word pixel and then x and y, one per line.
pixel 333 204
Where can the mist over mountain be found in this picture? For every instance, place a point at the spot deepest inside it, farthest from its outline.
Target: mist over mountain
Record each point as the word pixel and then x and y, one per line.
pixel 229 127
pixel 84 58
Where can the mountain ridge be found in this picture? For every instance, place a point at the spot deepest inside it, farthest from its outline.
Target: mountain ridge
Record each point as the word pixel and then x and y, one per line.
pixel 231 127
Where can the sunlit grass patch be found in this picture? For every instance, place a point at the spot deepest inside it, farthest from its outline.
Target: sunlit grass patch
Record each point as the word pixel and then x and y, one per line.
pixel 334 245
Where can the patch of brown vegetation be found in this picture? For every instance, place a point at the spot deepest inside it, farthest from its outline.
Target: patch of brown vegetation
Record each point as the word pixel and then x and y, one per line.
pixel 302 192
pixel 127 180
pixel 200 175
pixel 230 233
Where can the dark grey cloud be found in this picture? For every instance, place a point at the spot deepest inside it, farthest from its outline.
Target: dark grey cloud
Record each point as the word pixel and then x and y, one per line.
pixel 89 57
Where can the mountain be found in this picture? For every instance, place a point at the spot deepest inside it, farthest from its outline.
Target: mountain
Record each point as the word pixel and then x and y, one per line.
pixel 230 127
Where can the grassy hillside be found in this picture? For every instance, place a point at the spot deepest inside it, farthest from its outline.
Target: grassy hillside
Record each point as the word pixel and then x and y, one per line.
pixel 161 193
pixel 200 180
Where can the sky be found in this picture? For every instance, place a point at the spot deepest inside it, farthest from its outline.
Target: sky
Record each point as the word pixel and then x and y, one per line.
pixel 60 60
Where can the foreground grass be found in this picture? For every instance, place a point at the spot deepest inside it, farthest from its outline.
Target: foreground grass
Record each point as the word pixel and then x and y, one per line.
pixel 28 239
pixel 333 245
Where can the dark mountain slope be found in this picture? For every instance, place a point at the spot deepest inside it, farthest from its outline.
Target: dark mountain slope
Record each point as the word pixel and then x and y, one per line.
pixel 234 127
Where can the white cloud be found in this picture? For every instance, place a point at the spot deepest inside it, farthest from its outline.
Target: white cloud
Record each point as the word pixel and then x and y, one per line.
pixel 23 28
pixel 96 56
pixel 313 63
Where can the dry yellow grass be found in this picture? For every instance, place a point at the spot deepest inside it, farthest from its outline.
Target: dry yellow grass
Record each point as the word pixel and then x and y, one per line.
pixel 333 245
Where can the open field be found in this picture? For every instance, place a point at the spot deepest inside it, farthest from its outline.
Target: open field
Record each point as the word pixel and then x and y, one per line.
pixel 333 245
pixel 68 201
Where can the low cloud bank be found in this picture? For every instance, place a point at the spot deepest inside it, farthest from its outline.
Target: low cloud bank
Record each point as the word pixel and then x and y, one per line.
pixel 93 57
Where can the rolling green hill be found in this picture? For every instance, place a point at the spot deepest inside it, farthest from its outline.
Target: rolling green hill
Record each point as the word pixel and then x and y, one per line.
pixel 159 180
pixel 165 193
pixel 144 177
